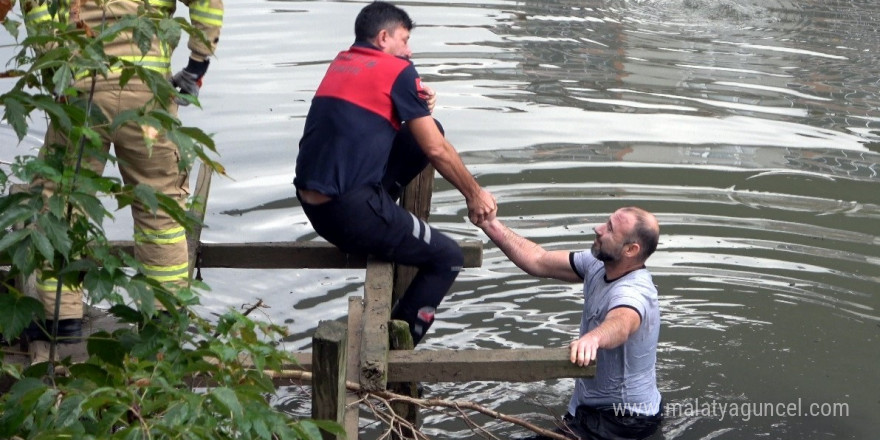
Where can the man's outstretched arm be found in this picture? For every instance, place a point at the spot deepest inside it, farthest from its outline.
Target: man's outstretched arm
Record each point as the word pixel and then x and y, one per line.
pixel 528 255
pixel 442 155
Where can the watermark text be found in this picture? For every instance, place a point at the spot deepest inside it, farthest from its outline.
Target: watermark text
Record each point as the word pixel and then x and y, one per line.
pixel 744 411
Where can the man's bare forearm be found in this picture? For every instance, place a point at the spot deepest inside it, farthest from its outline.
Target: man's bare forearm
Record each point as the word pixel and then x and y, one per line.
pixel 520 250
pixel 448 163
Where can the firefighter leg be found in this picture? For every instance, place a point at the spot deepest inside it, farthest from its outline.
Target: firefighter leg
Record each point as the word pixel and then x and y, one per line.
pixel 160 242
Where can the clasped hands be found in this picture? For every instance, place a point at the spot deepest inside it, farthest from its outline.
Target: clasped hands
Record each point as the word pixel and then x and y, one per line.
pixel 482 208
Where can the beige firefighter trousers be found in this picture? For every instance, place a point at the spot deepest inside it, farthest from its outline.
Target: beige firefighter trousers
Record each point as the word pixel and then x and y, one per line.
pixel 160 242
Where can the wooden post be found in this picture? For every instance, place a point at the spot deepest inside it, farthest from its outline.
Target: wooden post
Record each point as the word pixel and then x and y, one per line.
pixel 199 207
pixel 355 330
pixel 416 198
pixel 401 339
pixel 329 369
pixel 377 314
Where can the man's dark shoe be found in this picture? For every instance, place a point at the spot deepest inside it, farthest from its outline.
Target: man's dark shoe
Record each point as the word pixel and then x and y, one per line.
pixel 69 331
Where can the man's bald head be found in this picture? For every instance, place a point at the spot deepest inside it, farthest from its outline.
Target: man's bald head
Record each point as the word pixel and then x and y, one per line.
pixel 645 230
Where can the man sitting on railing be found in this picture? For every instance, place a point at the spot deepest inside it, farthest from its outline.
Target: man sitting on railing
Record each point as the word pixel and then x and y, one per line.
pixel 369 132
pixel 620 324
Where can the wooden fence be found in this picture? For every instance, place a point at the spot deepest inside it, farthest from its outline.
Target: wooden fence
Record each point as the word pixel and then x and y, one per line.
pixel 364 350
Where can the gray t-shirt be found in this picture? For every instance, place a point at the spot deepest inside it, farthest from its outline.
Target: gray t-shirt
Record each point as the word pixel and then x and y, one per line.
pixel 624 375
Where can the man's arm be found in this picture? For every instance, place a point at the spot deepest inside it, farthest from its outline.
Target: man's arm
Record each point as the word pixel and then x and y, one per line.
pixel 619 324
pixel 444 158
pixel 206 16
pixel 528 255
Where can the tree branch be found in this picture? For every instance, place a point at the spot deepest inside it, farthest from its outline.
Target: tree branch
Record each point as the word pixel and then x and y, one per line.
pixel 438 403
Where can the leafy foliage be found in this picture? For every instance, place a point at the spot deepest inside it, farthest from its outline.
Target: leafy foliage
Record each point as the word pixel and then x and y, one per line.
pixel 162 374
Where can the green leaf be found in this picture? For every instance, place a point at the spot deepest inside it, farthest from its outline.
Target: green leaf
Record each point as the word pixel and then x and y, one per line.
pixel 186 146
pixel 169 31
pixel 58 233
pixel 106 348
pixel 69 411
pixel 43 245
pixel 177 414
pixel 260 428
pixel 54 109
pixel 248 335
pixel 329 426
pixel 199 136
pixel 62 80
pixel 16 312
pixel 24 257
pixel 99 284
pixel 91 372
pixel 125 117
pixel 312 428
pixel 88 135
pixel 89 204
pixel 13 238
pixel 11 27
pixel 126 314
pixel 161 119
pixel 146 195
pixel 125 77
pixel 143 35
pixel 142 294
pixel 19 404
pixel 227 398
pixel 16 115
pixel 307 431
pixel 57 206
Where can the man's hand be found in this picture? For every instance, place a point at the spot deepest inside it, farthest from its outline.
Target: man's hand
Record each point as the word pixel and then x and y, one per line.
pixel 583 350
pixel 430 96
pixel 619 324
pixel 482 208
pixel 189 80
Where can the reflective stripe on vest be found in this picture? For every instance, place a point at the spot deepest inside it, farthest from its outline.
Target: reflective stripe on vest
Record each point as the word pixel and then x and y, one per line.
pixel 159 63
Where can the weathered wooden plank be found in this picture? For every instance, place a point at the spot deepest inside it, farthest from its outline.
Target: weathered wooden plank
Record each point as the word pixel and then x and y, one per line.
pixel 355 330
pixel 280 255
pixel 197 211
pixel 377 314
pixel 329 372
pixel 288 255
pixel 508 365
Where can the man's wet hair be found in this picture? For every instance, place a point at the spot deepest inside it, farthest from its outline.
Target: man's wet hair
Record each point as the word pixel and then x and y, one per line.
pixel 377 16
pixel 643 233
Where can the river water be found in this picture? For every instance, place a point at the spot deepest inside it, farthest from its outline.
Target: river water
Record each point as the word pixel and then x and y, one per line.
pixel 751 129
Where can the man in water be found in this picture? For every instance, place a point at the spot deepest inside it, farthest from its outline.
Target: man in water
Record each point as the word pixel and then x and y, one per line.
pixel 620 324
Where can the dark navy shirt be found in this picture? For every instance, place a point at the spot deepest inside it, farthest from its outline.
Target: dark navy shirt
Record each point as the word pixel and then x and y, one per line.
pixel 357 111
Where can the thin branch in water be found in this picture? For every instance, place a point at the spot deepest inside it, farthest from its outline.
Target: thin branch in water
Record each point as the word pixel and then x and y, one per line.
pixel 477 429
pixel 424 403
pixel 256 306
